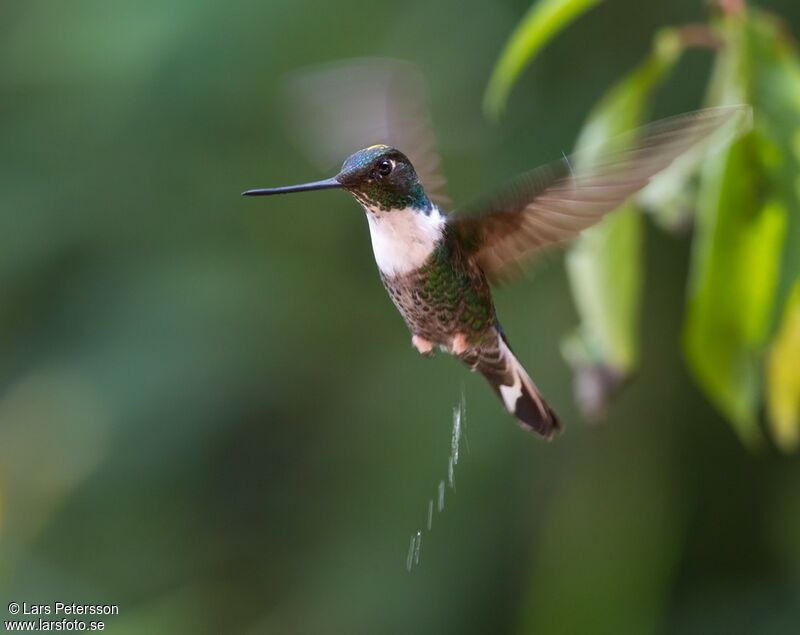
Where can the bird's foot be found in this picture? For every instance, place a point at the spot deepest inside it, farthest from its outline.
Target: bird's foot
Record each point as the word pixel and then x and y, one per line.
pixel 422 345
pixel 460 344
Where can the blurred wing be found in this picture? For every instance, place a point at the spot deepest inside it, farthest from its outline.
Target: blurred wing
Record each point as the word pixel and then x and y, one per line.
pixel 343 107
pixel 553 203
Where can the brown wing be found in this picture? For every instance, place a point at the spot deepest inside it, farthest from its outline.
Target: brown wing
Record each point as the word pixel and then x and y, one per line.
pixel 342 107
pixel 553 203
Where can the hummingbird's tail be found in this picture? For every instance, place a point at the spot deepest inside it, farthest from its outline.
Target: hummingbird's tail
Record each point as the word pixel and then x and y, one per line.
pixel 514 386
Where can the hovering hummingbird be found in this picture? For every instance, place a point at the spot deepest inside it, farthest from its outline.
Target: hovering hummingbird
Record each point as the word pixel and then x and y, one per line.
pixel 437 267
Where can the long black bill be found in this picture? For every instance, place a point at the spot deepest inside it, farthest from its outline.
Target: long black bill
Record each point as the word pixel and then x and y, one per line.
pixel 327 184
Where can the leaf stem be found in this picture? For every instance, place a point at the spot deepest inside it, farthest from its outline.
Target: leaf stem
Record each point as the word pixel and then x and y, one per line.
pixel 732 7
pixel 700 36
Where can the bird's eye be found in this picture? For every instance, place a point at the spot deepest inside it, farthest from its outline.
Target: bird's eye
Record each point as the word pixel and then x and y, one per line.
pixel 385 167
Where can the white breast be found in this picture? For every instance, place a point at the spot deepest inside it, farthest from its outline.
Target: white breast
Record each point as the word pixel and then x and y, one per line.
pixel 403 239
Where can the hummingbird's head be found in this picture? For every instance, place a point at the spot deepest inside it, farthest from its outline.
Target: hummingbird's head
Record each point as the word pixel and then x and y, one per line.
pixel 380 177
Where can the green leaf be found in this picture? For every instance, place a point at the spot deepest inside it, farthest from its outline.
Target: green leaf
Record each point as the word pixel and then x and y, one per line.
pixel 746 243
pixel 775 95
pixel 606 288
pixel 605 264
pixel 783 377
pixel 544 20
pixel 605 272
pixel 732 286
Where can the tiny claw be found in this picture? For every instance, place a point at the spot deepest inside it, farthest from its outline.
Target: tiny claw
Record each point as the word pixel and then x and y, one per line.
pixel 459 345
pixel 423 346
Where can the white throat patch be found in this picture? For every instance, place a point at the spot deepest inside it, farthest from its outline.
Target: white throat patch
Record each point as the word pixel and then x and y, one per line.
pixel 402 239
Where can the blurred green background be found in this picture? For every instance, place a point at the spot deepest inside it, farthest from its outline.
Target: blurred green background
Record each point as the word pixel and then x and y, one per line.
pixel 210 413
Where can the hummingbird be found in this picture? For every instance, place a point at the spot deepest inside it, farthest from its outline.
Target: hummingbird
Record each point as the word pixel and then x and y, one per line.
pixel 438 267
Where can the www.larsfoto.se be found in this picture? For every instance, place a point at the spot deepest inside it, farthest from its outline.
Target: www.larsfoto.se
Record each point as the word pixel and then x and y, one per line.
pixel 42 624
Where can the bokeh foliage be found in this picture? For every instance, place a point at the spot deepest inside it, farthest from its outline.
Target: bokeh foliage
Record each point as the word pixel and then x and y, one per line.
pixel 745 200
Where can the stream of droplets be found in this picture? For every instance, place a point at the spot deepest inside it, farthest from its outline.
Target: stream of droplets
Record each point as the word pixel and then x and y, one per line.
pixel 459 417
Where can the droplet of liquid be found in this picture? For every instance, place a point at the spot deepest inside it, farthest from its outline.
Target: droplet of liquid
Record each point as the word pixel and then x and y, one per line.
pixel 410 556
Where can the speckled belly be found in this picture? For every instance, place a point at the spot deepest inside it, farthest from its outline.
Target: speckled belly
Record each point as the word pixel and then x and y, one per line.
pixel 437 304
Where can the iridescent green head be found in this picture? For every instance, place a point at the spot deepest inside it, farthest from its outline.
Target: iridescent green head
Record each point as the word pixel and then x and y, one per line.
pixel 382 177
pixel 379 177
